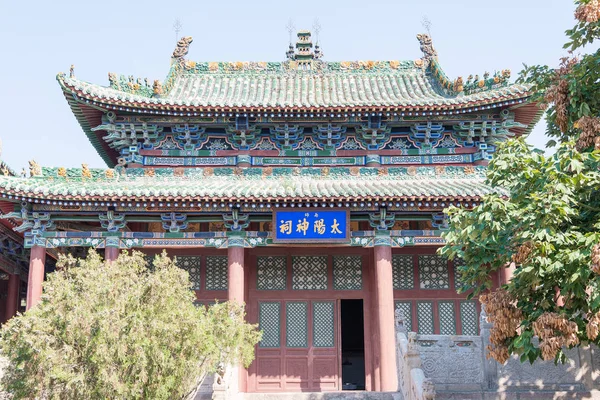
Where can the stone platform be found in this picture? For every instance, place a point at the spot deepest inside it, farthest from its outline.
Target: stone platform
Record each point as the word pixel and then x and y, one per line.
pixel 324 396
pixel 520 395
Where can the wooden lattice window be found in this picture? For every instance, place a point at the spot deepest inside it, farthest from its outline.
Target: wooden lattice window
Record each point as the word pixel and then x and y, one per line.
pixel 403 272
pixel 309 273
pixel 216 273
pixel 192 265
pixel 433 272
pixel 347 272
pixel 271 273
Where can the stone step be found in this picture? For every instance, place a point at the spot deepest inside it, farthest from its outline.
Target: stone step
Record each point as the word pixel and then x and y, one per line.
pixel 354 395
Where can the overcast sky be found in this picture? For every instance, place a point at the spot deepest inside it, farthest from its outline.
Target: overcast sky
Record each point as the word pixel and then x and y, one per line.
pixel 40 38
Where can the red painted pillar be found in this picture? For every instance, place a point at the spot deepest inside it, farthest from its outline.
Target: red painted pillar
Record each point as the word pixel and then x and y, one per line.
pixel 235 294
pixel 507 273
pixel 235 274
pixel 111 254
pixel 37 260
pixel 12 301
pixel 385 313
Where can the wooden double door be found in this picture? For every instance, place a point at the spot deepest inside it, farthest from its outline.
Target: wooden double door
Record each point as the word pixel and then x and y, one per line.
pixel 299 350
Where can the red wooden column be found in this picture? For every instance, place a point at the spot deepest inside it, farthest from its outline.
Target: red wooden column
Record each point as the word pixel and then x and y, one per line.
pixel 111 254
pixel 235 294
pixel 235 274
pixel 384 302
pixel 12 301
pixel 507 273
pixel 37 261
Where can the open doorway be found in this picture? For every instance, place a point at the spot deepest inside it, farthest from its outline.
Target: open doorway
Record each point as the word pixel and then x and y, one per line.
pixel 353 345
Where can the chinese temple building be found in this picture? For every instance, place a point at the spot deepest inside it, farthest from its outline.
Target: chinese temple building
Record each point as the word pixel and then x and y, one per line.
pixel 312 191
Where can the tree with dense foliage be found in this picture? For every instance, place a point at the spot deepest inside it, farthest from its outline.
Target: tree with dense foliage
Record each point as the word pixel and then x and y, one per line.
pixel 120 330
pixel 545 218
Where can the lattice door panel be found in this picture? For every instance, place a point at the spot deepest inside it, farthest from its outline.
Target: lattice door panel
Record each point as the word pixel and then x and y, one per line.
pixel 271 273
pixel 347 272
pixel 323 323
pixel 403 272
pixel 296 324
pixel 269 320
pixel 192 265
pixel 216 272
pixel 458 264
pixel 447 317
pixel 301 354
pixel 433 272
pixel 468 318
pixel 406 307
pixel 425 317
pixel 309 273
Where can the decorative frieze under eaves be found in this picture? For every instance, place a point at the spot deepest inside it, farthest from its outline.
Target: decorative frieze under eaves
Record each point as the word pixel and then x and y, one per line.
pixel 218 240
pixel 208 207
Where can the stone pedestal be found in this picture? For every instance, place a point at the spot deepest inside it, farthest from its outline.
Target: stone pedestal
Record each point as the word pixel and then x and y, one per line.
pixel 37 262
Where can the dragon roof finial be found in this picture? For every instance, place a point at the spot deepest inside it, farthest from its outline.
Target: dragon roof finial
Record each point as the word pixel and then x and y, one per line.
pixel 183 46
pixel 427 46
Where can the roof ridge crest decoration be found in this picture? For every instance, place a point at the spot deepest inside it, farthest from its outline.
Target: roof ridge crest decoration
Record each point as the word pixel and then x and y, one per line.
pixel 85 174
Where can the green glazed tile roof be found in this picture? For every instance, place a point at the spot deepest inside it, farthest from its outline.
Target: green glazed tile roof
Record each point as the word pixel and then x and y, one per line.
pixel 256 183
pixel 274 85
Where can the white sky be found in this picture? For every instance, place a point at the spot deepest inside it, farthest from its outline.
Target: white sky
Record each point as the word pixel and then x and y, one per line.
pixel 40 38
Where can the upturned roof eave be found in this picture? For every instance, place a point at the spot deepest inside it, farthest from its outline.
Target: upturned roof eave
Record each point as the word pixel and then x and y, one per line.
pixel 135 106
pixel 460 183
pixel 85 126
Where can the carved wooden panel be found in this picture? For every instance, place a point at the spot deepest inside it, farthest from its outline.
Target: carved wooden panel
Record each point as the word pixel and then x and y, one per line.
pixel 468 318
pixel 433 272
pixel 216 272
pixel 192 265
pixel 309 273
pixel 425 317
pixel 269 317
pixel 447 317
pixel 271 273
pixel 323 323
pixel 402 272
pixel 296 321
pixel 347 272
pixel 406 307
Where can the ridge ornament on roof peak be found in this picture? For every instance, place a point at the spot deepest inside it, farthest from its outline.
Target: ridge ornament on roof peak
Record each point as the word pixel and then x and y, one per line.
pixel 183 46
pixel 427 48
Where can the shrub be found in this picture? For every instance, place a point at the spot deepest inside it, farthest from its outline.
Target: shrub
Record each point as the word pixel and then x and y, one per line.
pixel 120 330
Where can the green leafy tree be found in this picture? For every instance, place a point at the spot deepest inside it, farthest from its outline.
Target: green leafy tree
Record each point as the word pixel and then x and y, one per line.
pixel 545 218
pixel 120 330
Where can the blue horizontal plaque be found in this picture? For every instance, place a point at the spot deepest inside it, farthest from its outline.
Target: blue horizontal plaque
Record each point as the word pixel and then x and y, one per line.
pixel 311 226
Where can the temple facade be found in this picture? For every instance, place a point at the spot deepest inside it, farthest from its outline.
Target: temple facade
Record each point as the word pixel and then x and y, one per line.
pixel 312 191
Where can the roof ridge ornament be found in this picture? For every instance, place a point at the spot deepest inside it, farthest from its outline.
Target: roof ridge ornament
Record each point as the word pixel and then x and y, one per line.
pixel 429 52
pixel 183 46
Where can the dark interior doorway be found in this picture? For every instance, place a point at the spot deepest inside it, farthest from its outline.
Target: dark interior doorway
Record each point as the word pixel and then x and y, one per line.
pixel 353 345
